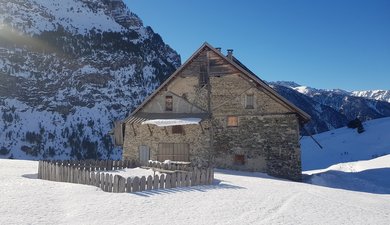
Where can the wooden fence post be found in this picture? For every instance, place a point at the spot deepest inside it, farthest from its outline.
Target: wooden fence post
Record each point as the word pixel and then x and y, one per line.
pixel 162 181
pixel 116 184
pixel 203 177
pixel 103 182
pixel 136 185
pixel 109 182
pixel 88 178
pixel 193 177
pixel 121 184
pixel 93 178
pixel 149 183
pixel 39 169
pixel 142 183
pixel 198 173
pixel 173 180
pixel 168 181
pixel 97 179
pixel 128 185
pixel 155 182
pixel 188 179
pixel 179 175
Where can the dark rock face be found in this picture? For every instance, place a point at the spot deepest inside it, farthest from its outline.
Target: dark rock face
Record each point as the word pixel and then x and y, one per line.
pixel 64 81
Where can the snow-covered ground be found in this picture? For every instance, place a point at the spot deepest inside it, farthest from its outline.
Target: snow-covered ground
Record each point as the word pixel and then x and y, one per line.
pixel 236 198
pixel 365 176
pixel 346 145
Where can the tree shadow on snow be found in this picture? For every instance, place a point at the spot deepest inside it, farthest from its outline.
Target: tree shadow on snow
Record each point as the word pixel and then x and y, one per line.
pixel 373 181
pixel 217 185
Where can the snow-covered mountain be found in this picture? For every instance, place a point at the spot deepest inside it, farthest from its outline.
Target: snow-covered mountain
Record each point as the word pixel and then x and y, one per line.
pixel 68 69
pixel 345 105
pixel 380 95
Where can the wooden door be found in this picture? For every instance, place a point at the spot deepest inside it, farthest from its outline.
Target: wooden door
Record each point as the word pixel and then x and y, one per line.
pixel 144 154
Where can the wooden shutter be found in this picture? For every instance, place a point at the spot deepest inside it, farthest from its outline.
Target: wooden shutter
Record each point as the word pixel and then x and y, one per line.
pixel 181 152
pixel 232 121
pixel 173 151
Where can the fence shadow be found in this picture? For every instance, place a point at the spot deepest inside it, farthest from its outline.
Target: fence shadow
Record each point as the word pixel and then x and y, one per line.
pixel 217 185
pixel 250 174
pixel 30 176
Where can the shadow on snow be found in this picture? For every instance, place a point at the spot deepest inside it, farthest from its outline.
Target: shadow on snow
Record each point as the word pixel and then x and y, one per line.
pixel 373 181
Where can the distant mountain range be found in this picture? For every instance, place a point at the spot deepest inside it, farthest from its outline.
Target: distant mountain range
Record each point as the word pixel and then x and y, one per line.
pixel 332 109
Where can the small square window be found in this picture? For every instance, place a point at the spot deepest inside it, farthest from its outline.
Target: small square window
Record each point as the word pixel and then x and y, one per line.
pixel 168 103
pixel 249 101
pixel 232 121
pixel 178 129
pixel 239 160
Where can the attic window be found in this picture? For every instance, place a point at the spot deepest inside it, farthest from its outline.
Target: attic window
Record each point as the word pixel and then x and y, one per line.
pixel 168 103
pixel 232 121
pixel 249 101
pixel 239 160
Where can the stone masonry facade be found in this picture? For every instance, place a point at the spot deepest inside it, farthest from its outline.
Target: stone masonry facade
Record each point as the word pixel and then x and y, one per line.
pixel 264 136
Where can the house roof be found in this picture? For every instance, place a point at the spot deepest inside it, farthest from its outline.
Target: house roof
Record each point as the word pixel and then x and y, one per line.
pixel 238 65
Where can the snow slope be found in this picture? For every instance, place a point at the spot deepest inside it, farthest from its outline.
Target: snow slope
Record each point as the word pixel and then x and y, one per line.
pixel 346 145
pixel 238 198
pixel 366 176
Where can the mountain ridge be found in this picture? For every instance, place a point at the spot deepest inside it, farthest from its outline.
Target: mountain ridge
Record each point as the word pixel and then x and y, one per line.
pixel 68 69
pixel 344 106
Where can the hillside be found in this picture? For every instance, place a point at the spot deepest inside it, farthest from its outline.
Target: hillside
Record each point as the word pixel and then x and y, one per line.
pixel 346 145
pixel 68 69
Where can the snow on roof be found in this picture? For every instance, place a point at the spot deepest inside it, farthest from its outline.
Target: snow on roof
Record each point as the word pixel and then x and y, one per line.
pixel 173 122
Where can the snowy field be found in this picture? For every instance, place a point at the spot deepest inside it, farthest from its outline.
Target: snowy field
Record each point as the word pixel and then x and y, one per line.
pixel 237 198
pixel 346 145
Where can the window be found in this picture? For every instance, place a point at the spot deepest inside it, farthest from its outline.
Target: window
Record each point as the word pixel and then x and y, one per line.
pixel 177 129
pixel 249 101
pixel 232 121
pixel 239 160
pixel 168 103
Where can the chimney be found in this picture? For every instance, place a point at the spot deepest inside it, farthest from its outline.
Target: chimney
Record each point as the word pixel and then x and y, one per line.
pixel 230 54
pixel 218 49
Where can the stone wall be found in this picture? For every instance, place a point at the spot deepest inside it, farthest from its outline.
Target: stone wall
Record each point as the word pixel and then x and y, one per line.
pixel 195 136
pixel 268 143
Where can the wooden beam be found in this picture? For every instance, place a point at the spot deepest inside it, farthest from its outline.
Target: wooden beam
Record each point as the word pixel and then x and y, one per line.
pixel 201 127
pixel 150 130
pixel 132 125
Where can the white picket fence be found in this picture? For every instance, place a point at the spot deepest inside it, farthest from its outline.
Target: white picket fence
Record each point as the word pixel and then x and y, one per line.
pixel 91 174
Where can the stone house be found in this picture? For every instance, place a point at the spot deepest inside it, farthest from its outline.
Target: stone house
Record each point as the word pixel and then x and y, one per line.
pixel 215 111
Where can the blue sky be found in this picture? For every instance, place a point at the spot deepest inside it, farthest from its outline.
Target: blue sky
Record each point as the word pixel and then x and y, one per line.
pixel 324 44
